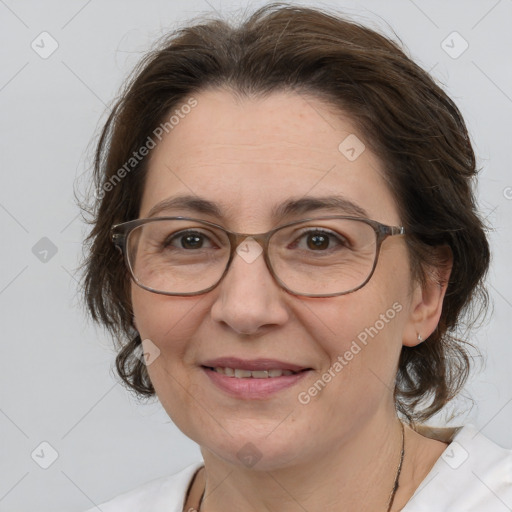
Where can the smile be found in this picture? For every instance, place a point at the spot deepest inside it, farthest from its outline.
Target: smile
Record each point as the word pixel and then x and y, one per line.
pixel 255 374
pixel 256 379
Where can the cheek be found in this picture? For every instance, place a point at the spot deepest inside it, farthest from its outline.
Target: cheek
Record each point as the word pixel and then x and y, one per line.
pixel 361 333
pixel 169 323
pixel 159 317
pixel 361 343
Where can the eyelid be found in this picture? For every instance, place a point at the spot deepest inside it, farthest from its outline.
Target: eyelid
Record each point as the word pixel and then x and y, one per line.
pixel 322 229
pixel 184 231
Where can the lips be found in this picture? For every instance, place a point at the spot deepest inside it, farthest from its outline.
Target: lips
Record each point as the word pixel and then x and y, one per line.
pixel 255 379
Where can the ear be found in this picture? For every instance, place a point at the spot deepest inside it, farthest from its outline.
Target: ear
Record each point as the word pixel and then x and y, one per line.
pixel 427 300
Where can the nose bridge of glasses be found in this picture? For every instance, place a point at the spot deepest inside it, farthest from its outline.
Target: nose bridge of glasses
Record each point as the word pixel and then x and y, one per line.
pixel 249 246
pixel 236 239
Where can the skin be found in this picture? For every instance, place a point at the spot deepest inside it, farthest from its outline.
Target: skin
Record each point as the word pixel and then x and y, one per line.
pixel 344 445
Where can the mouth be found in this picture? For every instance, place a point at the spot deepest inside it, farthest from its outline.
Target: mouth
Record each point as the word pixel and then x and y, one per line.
pixel 239 373
pixel 253 368
pixel 253 379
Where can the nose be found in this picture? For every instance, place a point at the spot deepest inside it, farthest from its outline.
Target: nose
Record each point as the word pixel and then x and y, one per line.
pixel 249 300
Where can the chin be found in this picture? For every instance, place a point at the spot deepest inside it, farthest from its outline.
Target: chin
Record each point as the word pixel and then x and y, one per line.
pixel 268 448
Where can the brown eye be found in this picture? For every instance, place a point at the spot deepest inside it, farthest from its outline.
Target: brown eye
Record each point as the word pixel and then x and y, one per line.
pixel 319 240
pixel 188 240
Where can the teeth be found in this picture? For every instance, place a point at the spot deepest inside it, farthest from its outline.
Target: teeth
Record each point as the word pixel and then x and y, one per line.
pixel 255 374
pixel 240 374
pixel 260 374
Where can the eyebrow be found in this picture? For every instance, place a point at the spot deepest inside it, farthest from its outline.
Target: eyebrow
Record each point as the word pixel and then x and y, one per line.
pixel 288 208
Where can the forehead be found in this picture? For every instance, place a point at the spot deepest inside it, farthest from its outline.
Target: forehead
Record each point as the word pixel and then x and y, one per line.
pixel 250 155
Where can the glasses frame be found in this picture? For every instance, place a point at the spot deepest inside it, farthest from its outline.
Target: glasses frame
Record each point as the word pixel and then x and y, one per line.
pixel 120 233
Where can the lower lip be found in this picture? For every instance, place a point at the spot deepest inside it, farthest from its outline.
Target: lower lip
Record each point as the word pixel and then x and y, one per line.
pixel 251 388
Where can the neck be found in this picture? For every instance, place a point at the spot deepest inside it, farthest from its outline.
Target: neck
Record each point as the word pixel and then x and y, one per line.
pixel 360 469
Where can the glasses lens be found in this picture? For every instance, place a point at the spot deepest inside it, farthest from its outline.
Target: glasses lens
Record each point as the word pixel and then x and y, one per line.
pixel 177 256
pixel 323 256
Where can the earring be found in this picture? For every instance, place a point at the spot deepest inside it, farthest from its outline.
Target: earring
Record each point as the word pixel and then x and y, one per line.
pixel 420 339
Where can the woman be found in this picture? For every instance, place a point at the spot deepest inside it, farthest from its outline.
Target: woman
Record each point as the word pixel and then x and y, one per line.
pixel 285 242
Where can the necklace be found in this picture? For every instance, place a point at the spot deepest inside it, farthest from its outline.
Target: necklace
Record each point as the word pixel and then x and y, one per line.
pixel 398 471
pixel 395 483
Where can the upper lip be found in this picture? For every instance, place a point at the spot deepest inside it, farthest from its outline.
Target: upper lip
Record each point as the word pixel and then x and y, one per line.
pixel 252 364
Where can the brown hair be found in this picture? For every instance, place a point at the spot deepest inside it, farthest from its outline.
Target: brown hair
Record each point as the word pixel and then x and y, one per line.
pixel 407 119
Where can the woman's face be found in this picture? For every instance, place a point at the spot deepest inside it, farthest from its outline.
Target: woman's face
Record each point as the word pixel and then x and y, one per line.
pixel 249 156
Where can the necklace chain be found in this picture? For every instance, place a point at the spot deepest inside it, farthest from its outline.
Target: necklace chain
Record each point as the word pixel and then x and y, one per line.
pixel 393 490
pixel 398 471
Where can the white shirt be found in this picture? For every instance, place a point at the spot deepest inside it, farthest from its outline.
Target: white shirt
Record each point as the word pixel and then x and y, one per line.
pixel 473 474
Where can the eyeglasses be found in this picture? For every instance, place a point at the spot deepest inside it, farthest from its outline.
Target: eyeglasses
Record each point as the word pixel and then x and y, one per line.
pixel 320 257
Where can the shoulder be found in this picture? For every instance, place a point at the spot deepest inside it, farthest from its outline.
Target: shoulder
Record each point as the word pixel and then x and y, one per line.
pixel 473 474
pixel 165 494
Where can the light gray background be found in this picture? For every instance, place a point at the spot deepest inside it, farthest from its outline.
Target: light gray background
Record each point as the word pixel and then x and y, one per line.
pixel 56 380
